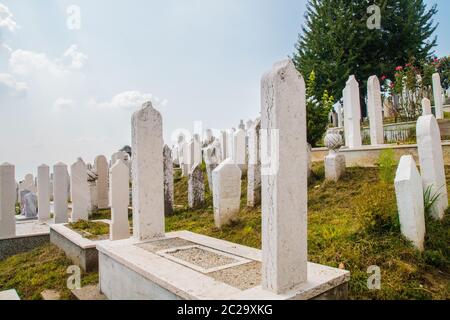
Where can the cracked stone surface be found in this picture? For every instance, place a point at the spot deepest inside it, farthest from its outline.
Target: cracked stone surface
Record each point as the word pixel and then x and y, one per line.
pixel 284 179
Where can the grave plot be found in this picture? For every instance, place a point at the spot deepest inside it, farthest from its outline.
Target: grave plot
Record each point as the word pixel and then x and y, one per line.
pixel 183 265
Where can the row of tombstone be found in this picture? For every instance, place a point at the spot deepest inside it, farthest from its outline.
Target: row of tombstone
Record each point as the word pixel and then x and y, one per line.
pixel 224 175
pixel 87 187
pixel 348 116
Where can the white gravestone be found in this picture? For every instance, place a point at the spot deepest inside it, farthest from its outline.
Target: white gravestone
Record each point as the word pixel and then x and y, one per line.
pixel 43 192
pixel 184 159
pixel 437 93
pixel 168 182
pixel 148 173
pixel 352 114
pixel 432 162
pixel 375 110
pixel 284 186
pixel 194 154
pixel 254 165
pixel 119 180
pixel 240 149
pixel 226 192
pixel 223 138
pixel 230 143
pixel 60 191
pixel 426 107
pixel 196 188
pixel 7 201
pixel 102 169
pixel 212 158
pixel 80 192
pixel 409 192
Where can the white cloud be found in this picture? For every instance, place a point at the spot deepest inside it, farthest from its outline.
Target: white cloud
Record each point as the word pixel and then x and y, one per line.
pixel 7 19
pixel 25 62
pixel 75 58
pixel 9 85
pixel 8 48
pixel 62 104
pixel 128 100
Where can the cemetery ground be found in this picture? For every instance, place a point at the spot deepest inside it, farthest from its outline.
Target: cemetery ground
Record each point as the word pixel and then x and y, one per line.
pixel 353 224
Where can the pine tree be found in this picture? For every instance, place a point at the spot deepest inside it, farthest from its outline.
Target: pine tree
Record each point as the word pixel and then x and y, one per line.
pixel 335 41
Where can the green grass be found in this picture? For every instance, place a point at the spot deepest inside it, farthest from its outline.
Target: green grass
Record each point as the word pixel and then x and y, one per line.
pixel 40 269
pixel 352 223
pixel 90 229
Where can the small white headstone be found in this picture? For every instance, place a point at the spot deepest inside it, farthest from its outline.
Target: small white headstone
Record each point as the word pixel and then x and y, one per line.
pixel 80 191
pixel 102 169
pixel 375 111
pixel 60 193
pixel 196 188
pixel 254 165
pixel 148 173
pixel 432 162
pixel 119 180
pixel 409 192
pixel 437 93
pixel 352 114
pixel 7 201
pixel 168 182
pixel 43 192
pixel 226 192
pixel 240 150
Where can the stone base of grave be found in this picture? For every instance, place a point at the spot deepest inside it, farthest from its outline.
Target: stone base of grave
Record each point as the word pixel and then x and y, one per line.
pixel 188 266
pixel 334 166
pixel 80 250
pixel 29 235
pixel 10 295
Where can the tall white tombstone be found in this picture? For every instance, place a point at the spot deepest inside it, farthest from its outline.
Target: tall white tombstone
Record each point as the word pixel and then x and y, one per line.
pixel 230 143
pixel 102 168
pixel 80 192
pixel 223 138
pixel 119 180
pixel 375 109
pixel 226 192
pixel 352 114
pixel 254 165
pixel 284 185
pixel 194 155
pixel 7 201
pixel 240 149
pixel 426 107
pixel 148 173
pixel 168 182
pixel 409 192
pixel 60 193
pixel 432 162
pixel 437 93
pixel 184 159
pixel 43 192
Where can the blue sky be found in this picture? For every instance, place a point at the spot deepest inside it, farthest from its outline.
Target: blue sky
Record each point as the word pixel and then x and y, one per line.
pixel 68 93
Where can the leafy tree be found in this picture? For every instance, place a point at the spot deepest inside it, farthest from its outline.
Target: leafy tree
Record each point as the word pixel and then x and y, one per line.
pixel 317 111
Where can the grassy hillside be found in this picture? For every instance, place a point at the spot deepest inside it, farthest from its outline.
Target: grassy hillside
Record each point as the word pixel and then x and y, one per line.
pixel 353 224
